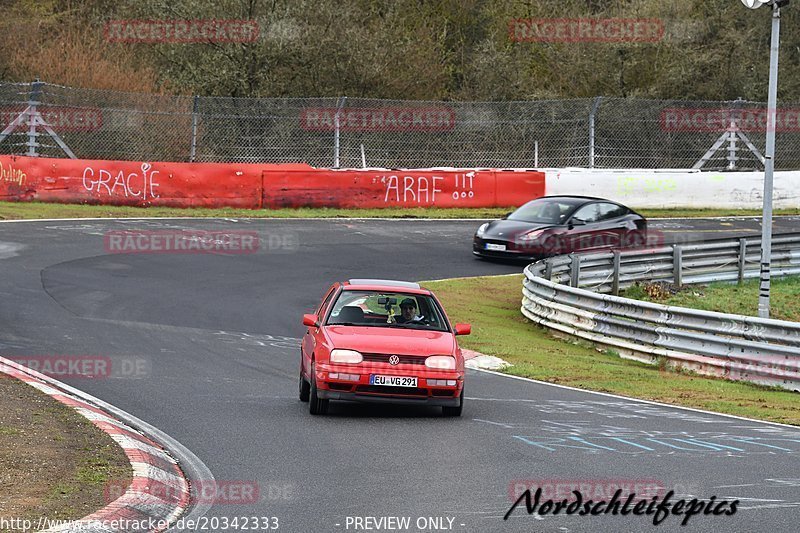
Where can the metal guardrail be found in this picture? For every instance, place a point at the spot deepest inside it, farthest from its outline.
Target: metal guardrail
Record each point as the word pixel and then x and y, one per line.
pixel 736 347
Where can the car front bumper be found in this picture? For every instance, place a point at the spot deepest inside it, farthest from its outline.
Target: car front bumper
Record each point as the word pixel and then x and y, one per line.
pixel 362 391
pixel 381 398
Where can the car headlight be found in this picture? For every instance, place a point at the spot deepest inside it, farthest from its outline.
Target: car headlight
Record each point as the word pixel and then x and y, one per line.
pixel 531 235
pixel 441 362
pixel 482 229
pixel 351 357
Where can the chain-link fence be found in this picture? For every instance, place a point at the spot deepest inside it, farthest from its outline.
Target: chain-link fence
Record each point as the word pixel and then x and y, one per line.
pixel 355 132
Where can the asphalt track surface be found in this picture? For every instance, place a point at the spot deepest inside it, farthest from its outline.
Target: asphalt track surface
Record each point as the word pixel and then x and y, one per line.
pixel 218 337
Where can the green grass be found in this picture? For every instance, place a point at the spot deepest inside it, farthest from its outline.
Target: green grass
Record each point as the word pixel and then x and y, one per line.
pixel 499 329
pixel 732 298
pixel 34 210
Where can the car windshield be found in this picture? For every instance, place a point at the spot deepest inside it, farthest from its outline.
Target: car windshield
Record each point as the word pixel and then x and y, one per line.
pixel 544 211
pixel 387 309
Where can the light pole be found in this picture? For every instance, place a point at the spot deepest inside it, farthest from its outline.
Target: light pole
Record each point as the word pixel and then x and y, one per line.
pixel 769 157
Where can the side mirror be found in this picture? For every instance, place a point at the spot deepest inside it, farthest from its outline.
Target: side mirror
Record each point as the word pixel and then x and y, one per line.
pixel 310 320
pixel 576 222
pixel 463 329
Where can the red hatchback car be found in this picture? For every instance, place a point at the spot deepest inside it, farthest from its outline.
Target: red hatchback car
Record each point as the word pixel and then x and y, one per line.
pixel 381 341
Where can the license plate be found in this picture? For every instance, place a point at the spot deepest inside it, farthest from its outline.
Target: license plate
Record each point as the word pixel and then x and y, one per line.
pixel 392 381
pixel 496 247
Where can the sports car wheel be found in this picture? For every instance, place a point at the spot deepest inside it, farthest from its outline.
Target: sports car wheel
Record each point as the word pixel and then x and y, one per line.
pixel 305 388
pixel 316 405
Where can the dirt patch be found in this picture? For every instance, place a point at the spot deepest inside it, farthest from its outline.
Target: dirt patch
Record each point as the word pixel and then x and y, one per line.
pixel 53 462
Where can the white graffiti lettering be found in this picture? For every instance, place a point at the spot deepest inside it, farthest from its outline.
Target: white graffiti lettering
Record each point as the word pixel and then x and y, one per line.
pixel 118 184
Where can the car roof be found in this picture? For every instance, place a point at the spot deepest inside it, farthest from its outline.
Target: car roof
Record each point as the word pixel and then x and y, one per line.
pixel 388 285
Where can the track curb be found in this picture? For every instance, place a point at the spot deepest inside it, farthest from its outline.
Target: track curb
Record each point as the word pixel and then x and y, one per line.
pixel 159 492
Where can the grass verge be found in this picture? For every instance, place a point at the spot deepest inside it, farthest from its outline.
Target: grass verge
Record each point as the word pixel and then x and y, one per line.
pixel 499 329
pixel 726 297
pixel 34 210
pixel 53 462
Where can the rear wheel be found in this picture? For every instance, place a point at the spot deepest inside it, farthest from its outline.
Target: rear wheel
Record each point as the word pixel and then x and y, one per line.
pixel 316 405
pixel 448 410
pixel 305 388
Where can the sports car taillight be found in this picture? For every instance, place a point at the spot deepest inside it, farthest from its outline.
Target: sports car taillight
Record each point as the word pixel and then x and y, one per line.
pixel 441 362
pixel 351 357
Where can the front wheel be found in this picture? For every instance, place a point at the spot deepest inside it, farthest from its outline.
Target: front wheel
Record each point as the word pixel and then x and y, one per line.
pixel 448 410
pixel 316 405
pixel 305 388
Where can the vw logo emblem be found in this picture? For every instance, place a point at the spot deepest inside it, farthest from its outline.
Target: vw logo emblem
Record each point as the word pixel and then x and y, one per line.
pixel 394 360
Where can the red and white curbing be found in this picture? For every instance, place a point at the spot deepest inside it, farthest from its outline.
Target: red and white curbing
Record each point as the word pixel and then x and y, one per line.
pixel 155 472
pixel 480 361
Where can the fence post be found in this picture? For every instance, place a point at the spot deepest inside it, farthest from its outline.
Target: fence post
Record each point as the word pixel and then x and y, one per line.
pixel 574 270
pixel 742 258
pixel 592 114
pixel 336 132
pixel 548 270
pixel 194 129
pixel 677 265
pixel 36 94
pixel 615 280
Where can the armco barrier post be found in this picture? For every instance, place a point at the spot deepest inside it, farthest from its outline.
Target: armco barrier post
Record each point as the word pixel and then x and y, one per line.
pixel 336 132
pixel 592 115
pixel 194 130
pixel 36 94
pixel 742 257
pixel 677 265
pixel 574 269
pixel 548 270
pixel 615 280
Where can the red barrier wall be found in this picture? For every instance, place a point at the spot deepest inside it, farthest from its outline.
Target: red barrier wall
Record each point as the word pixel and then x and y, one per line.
pixel 255 186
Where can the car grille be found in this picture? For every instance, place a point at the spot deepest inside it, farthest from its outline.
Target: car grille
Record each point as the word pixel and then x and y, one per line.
pixel 402 391
pixel 384 358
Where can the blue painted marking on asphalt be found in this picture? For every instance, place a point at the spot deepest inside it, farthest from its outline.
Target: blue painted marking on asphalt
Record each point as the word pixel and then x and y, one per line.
pixel 578 439
pixel 647 448
pixel 752 440
pixel 546 445
pixel 672 445
pixel 714 445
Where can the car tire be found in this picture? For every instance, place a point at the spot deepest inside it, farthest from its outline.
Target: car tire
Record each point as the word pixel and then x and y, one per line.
pixel 454 410
pixel 305 388
pixel 316 405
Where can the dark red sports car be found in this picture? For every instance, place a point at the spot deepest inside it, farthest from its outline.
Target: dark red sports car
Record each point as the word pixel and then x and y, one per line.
pixel 381 341
pixel 554 225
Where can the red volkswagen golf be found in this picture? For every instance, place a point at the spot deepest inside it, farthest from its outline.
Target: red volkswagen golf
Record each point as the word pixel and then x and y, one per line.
pixel 381 341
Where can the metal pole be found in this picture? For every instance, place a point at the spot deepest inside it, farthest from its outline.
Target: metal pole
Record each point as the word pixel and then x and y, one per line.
pixel 194 130
pixel 574 270
pixel 677 265
pixel 769 165
pixel 535 154
pixel 592 113
pixel 363 157
pixel 742 259
pixel 336 132
pixel 616 267
pixel 36 91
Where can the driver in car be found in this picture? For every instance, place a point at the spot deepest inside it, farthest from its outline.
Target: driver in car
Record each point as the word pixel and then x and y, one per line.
pixel 408 312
